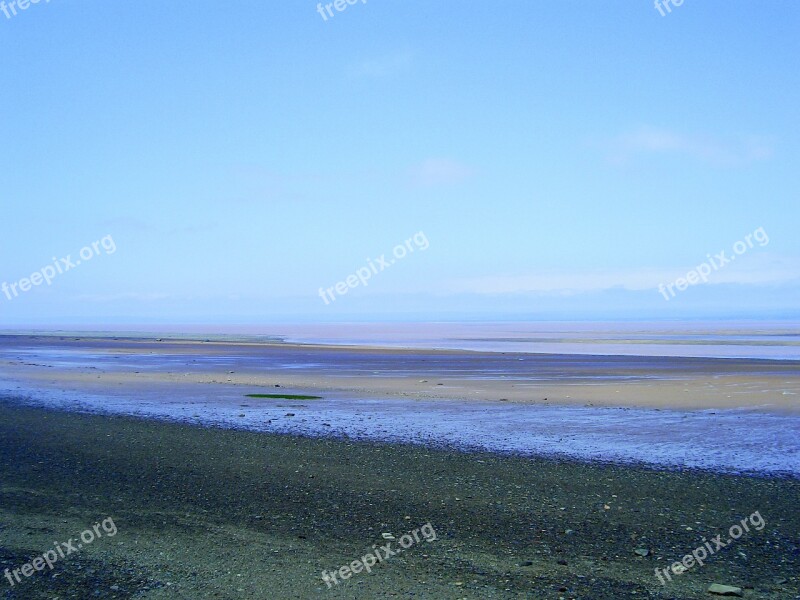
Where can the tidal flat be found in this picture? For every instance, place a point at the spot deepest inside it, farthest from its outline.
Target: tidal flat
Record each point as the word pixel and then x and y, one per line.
pixel 205 512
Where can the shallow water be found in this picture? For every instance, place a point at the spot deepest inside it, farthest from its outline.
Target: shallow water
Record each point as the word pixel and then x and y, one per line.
pixel 339 362
pixel 725 440
pixel 708 339
pixel 744 339
pixel 728 441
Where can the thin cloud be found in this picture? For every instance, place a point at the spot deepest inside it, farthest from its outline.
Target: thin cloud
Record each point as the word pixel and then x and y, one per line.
pixel 440 171
pixel 252 184
pixel 757 270
pixel 136 296
pixel 647 141
pixel 382 66
pixel 130 224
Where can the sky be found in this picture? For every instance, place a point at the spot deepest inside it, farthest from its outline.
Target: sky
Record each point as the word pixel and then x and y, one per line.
pixel 532 160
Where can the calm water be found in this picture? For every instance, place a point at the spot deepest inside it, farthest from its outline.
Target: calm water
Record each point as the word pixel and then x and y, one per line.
pixel 744 339
pixel 723 340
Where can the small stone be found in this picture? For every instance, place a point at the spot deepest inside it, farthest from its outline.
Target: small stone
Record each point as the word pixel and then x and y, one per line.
pixel 724 590
pixel 642 551
pixel 780 580
pixel 562 562
pixel 526 563
pixel 289 414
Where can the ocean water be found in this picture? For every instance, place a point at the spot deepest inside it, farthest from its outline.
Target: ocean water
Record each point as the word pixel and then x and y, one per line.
pixel 778 340
pixel 720 340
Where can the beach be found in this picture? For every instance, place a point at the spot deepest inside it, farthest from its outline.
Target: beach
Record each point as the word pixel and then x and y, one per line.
pixel 251 469
pixel 216 513
pixel 732 415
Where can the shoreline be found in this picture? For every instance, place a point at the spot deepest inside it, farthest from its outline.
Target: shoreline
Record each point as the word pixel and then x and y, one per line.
pixel 205 512
pixel 290 342
pixel 632 381
pixel 429 442
pixel 710 414
pixel 436 445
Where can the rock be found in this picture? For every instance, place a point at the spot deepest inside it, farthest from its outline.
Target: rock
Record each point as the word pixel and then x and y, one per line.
pixel 724 590
pixel 642 551
pixel 289 414
pixel 780 580
pixel 526 563
pixel 561 562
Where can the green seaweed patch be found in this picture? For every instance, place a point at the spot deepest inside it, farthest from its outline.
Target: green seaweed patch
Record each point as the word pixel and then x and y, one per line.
pixel 284 396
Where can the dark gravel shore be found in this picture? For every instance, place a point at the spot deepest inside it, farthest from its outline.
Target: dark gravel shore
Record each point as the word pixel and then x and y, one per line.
pixel 207 513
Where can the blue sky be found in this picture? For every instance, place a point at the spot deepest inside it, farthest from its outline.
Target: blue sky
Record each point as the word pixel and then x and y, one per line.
pixel 561 158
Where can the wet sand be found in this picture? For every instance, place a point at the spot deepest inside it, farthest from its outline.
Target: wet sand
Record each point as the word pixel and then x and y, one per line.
pixel 726 415
pixel 641 381
pixel 217 495
pixel 213 513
